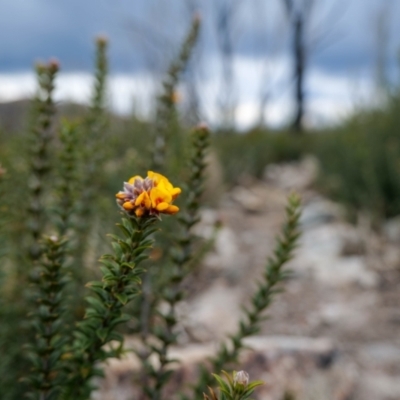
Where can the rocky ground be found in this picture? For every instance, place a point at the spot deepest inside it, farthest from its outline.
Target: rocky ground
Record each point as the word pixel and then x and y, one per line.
pixel 334 334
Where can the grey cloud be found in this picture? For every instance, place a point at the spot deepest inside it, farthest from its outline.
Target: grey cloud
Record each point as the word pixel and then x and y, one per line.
pixel 65 29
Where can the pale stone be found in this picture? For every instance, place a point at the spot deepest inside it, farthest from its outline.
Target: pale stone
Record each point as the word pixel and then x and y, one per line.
pixel 248 200
pixel 391 229
pixel 295 175
pixel 214 313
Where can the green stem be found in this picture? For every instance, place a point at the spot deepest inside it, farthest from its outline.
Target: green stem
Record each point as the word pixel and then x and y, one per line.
pixel 45 352
pixel 261 300
pixel 181 255
pixel 92 154
pixel 120 284
pixel 166 109
pixel 44 110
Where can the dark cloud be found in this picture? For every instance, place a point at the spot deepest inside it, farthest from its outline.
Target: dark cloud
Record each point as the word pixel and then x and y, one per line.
pixel 141 31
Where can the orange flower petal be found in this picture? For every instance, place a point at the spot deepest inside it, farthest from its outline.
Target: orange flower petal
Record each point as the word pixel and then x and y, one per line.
pixel 143 200
pixel 158 179
pixel 158 196
pixel 162 206
pixel 147 201
pixel 120 195
pixel 175 192
pixel 171 210
pixel 128 206
pixel 139 199
pixel 139 212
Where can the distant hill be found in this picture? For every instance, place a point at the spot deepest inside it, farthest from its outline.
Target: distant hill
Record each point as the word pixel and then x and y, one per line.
pixel 14 115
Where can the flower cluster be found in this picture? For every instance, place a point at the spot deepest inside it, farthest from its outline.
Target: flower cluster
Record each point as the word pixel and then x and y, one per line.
pixel 149 196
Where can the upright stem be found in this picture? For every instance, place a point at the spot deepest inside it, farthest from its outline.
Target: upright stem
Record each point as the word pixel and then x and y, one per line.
pixel 274 274
pixel 45 353
pixel 180 254
pixel 120 284
pixel 40 153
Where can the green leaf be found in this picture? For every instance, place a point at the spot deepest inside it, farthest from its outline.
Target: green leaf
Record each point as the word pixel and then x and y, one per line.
pixel 106 271
pixel 96 303
pixel 114 237
pixel 222 384
pixel 126 248
pixel 127 224
pixel 142 257
pixel 102 334
pixel 93 284
pixel 112 265
pixel 130 265
pixel 122 297
pixel 120 320
pixel 125 231
pixel 254 384
pixel 115 336
pixel 117 249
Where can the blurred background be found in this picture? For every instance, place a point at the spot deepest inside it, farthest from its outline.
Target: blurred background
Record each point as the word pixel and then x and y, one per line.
pixel 300 95
pixel 244 64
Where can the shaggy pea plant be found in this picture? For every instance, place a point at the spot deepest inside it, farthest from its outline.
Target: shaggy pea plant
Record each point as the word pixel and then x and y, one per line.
pixel 64 315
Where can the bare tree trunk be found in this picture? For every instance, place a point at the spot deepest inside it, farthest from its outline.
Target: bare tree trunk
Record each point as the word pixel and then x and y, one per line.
pixel 226 24
pixel 298 14
pixel 299 67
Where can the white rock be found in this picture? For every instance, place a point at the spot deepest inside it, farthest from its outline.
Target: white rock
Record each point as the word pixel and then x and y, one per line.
pixel 296 175
pixel 381 354
pixel 358 316
pixel 321 253
pixel 378 386
pixel 225 253
pixel 247 199
pixel 320 211
pixel 214 313
pixel 391 229
pixel 343 271
pixel 291 344
pixel 206 226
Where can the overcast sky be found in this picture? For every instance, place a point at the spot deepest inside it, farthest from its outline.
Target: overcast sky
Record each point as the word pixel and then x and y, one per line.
pixel 144 34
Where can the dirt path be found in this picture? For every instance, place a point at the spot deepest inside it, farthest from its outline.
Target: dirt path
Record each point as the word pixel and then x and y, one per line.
pixel 335 331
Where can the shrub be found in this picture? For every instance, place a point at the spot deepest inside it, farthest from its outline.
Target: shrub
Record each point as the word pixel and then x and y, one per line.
pixel 61 199
pixel 360 161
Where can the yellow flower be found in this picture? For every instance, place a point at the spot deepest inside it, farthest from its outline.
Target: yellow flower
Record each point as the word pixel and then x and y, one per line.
pixel 162 183
pixel 150 196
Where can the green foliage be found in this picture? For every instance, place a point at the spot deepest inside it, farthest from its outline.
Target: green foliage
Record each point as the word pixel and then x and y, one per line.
pixel 91 155
pixel 166 124
pixel 120 283
pixel 74 176
pixel 359 159
pixel 53 169
pixel 180 254
pixel 162 280
pixel 49 279
pixel 250 153
pixel 268 287
pixel 40 152
pixel 9 311
pixel 3 210
pixel 235 387
pixel 27 219
pixel 360 162
pixel 68 179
